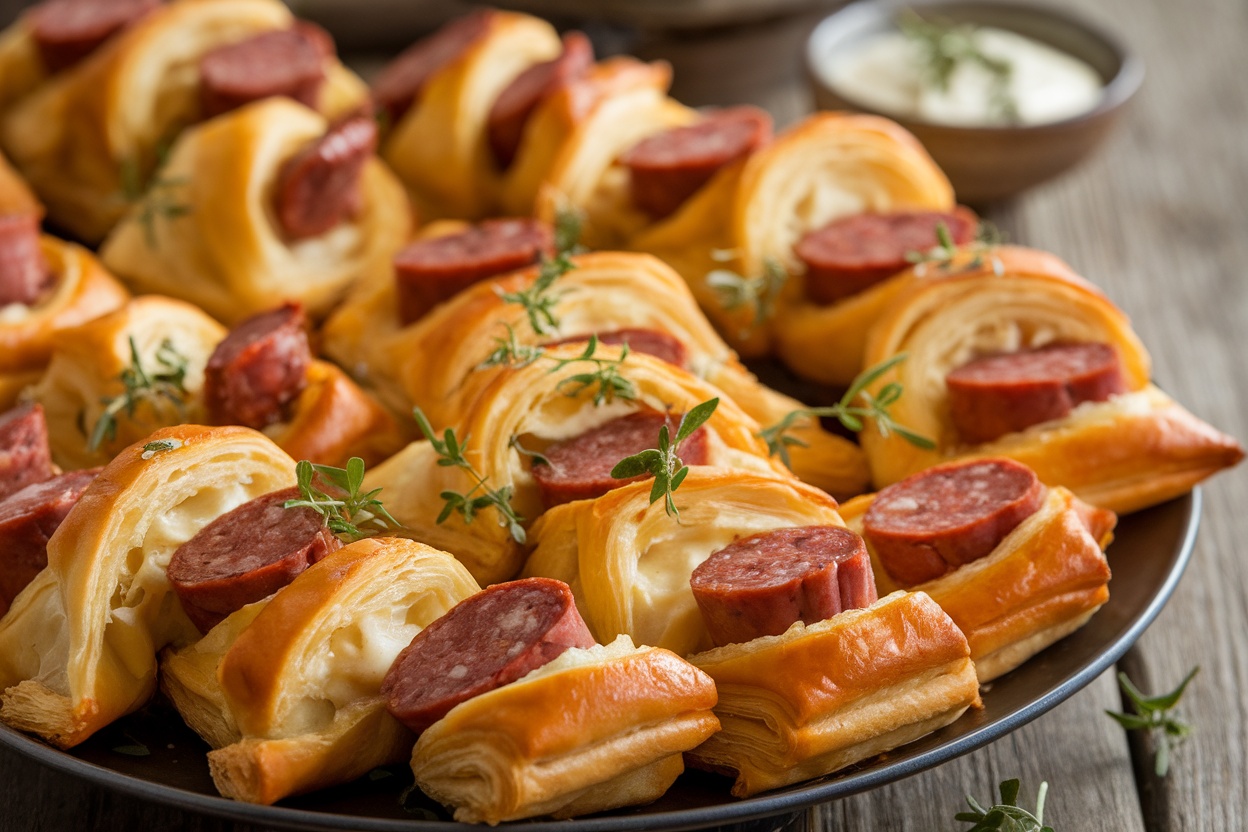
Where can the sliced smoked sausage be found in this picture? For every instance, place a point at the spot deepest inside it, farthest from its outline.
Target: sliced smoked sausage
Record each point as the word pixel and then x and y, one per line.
pixel 66 31
pixel 402 80
pixel 27 519
pixel 668 167
pixel 999 394
pixel 25 457
pixel 580 468
pixel 319 187
pixel 258 369
pixel 483 642
pixel 289 62
pixel 661 345
pixel 516 103
pixel 759 585
pixel 852 254
pixel 432 270
pixel 245 555
pixel 24 273
pixel 933 522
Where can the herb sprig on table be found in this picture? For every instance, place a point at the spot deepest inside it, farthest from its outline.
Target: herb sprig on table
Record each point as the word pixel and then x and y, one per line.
pixel 1155 714
pixel 1006 815
pixel 668 470
pixel 349 513
pixel 167 384
pixel 540 298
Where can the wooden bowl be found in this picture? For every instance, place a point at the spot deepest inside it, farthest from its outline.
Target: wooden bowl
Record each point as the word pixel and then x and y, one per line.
pixel 991 163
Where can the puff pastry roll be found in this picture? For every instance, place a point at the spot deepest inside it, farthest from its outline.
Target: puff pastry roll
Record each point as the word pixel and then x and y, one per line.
pixel 535 409
pixel 85 378
pixel 83 132
pixel 747 220
pixel 595 729
pixel 228 251
pixel 1012 593
pixel 1122 446
pixel 287 689
pixel 435 363
pixel 822 696
pixel 629 563
pixel 78 647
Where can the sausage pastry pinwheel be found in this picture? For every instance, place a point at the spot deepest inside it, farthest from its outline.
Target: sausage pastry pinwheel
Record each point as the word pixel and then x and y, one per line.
pixel 579 426
pixel 88 135
pixel 734 239
pixel 287 690
pixel 262 205
pixel 1012 354
pixel 629 562
pixel 78 647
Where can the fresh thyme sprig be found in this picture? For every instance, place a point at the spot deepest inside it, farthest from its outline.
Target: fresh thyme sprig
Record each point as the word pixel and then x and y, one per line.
pixel 1006 815
pixel 450 450
pixel 168 384
pixel 758 293
pixel 874 409
pixel 344 508
pixel 944 46
pixel 668 469
pixel 941 255
pixel 605 378
pixel 154 193
pixel 1155 714
pixel 539 299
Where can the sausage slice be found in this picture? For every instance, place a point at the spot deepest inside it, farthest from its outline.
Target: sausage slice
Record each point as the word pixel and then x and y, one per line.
pixel 24 274
pixel 935 521
pixel 319 187
pixel 289 62
pixel 436 269
pixel 516 103
pixel 27 520
pixel 66 31
pixel 258 369
pixel 580 467
pixel 483 642
pixel 854 253
pixel 668 167
pixel 245 555
pixel 653 342
pixel 401 82
pixel 25 457
pixel 760 585
pixel 999 394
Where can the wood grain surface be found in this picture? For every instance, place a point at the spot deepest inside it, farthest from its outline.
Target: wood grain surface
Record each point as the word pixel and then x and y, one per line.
pixel 1159 219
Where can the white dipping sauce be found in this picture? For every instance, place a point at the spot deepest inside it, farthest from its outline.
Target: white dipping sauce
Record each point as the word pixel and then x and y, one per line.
pixel 886 72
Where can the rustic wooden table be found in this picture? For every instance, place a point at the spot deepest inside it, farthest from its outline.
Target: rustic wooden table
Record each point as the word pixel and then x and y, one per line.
pixel 1159 219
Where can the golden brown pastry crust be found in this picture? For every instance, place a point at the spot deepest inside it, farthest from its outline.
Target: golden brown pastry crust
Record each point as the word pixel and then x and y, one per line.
pixel 15 195
pixel 86 366
pixel 593 730
pixel 21 68
pixel 82 290
pixel 439 148
pixel 629 563
pixel 1133 451
pixel 540 406
pixel 73 135
pixel 78 647
pixel 822 696
pixel 287 691
pixel 228 254
pixel 1041 583
pixel 827 166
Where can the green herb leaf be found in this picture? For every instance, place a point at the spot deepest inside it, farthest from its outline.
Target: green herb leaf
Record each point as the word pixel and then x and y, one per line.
pixel 1006 815
pixel 605 379
pixel 1154 713
pixel 668 470
pixel 539 299
pixel 450 450
pixel 758 293
pixel 348 513
pixel 167 385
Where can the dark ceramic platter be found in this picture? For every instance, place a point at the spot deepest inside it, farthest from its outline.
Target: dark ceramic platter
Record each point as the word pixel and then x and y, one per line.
pixel 1148 557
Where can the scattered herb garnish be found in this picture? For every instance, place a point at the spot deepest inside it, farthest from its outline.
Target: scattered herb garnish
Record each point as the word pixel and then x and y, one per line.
pixel 159 447
pixel 758 293
pixel 944 46
pixel 168 384
pixel 344 508
pixel 1155 714
pixel 538 459
pixel 605 378
pixel 1006 815
pixel 941 255
pixel 154 192
pixel 451 450
pixel 874 409
pixel 662 462
pixel 509 352
pixel 539 300
pixel 133 749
